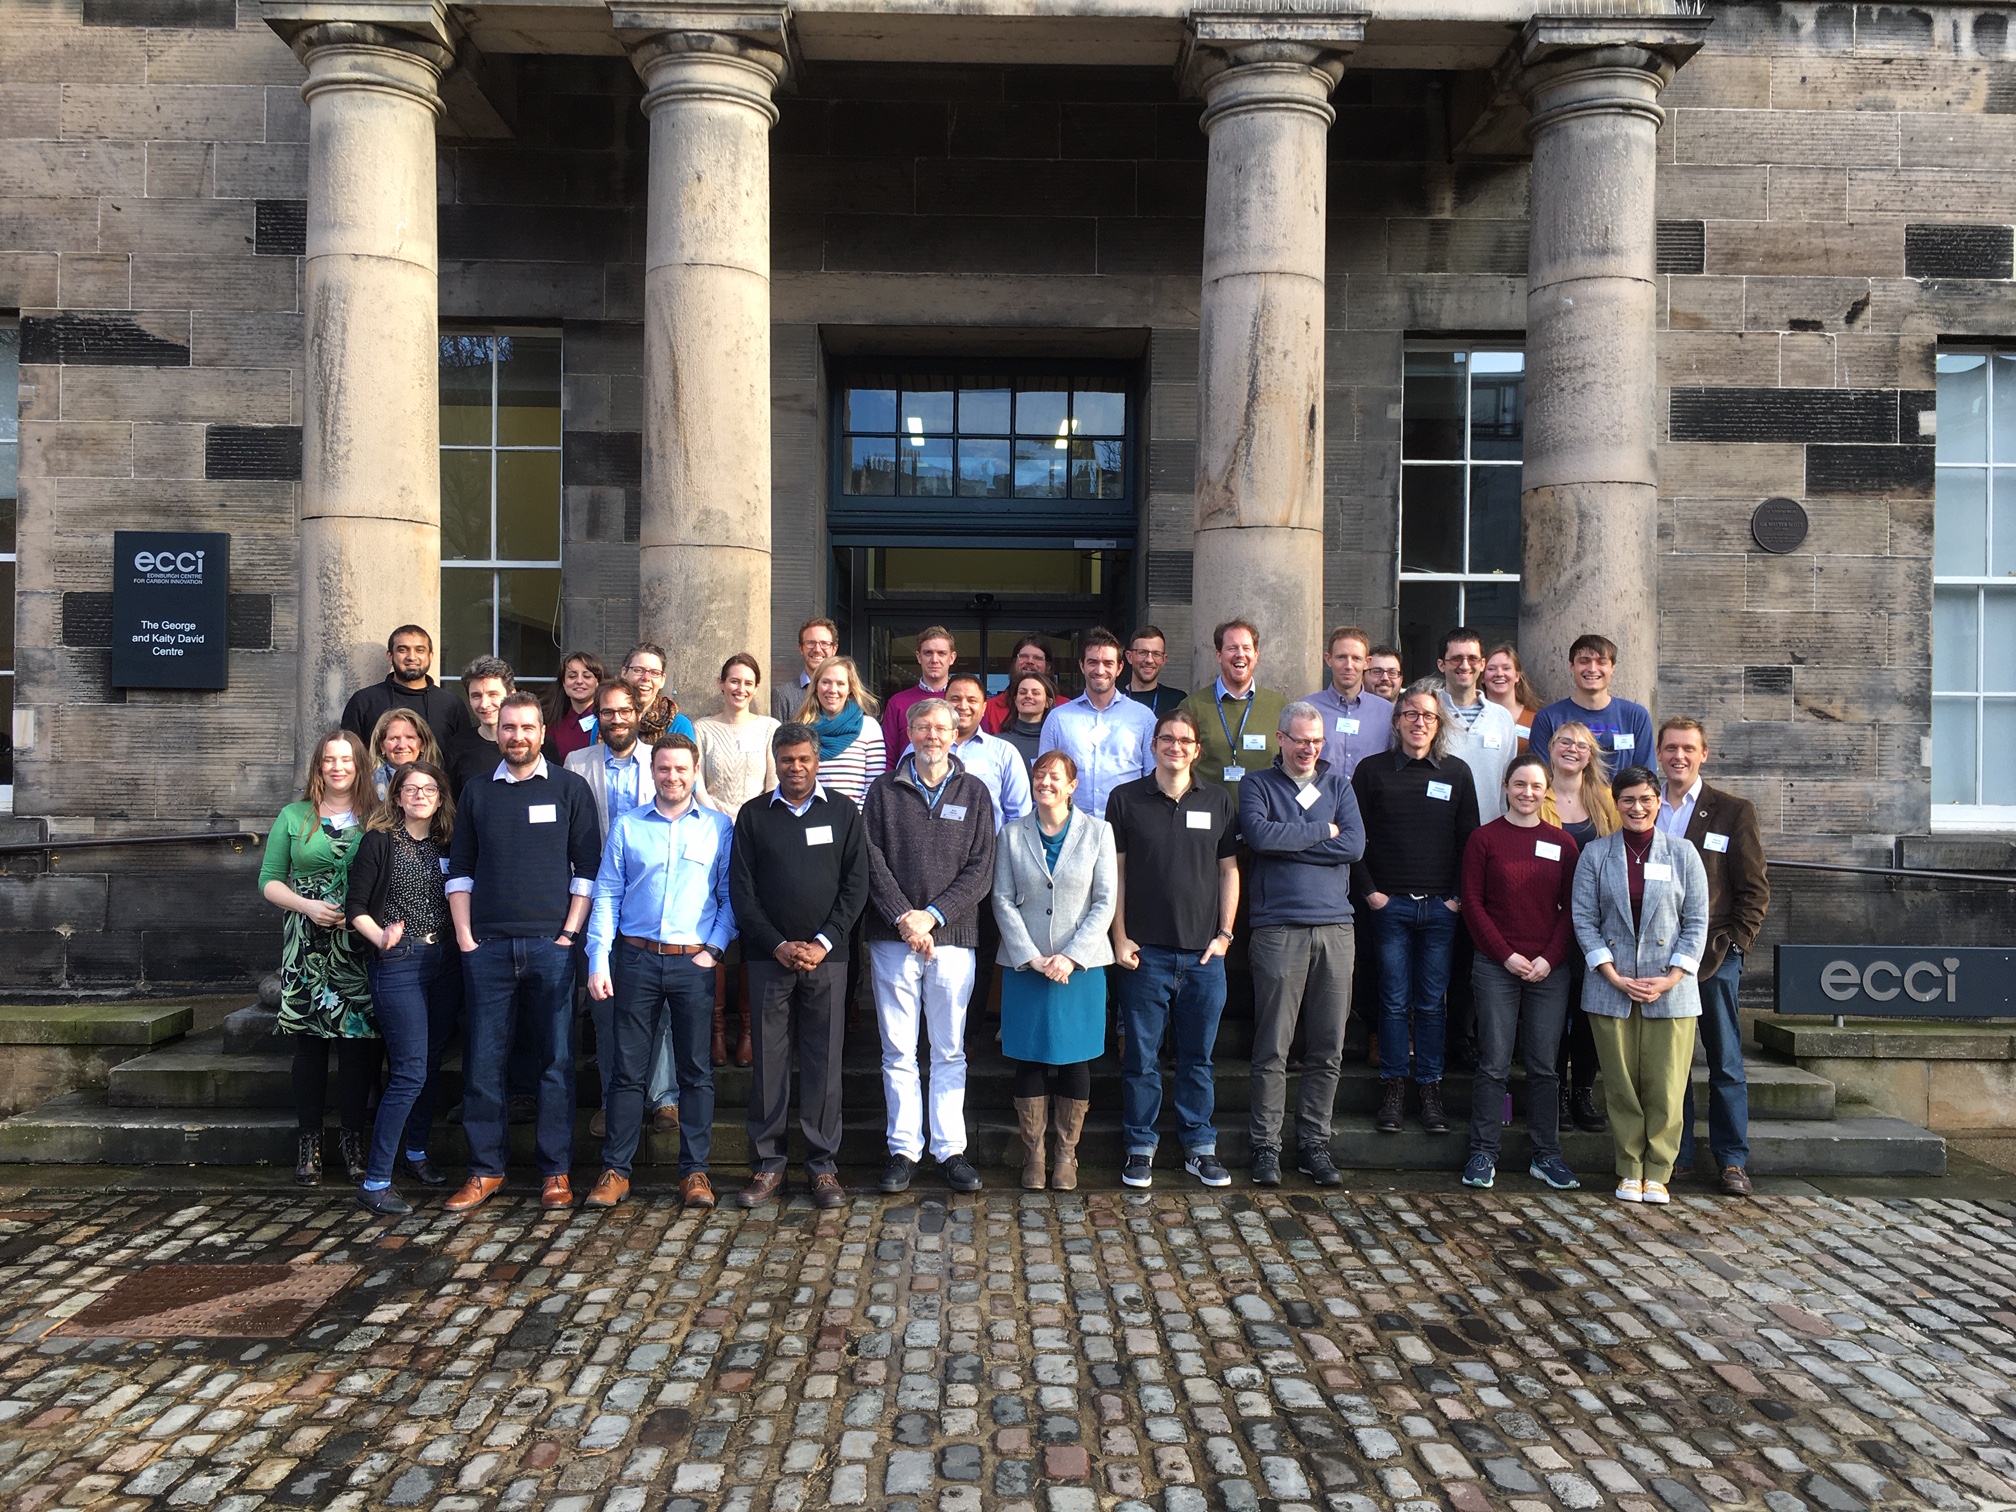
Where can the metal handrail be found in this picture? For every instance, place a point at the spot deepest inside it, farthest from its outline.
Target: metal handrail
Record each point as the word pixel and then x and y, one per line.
pixel 49 846
pixel 2005 879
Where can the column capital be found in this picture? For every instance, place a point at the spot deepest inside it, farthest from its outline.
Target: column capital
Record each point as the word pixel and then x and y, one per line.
pixel 758 37
pixel 420 28
pixel 1563 66
pixel 1278 38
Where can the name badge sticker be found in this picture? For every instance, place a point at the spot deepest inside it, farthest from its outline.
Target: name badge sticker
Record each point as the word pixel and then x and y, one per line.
pixel 819 834
pixel 586 721
pixel 542 813
pixel 954 811
pixel 1441 790
pixel 1658 871
pixel 1197 819
pixel 1308 796
pixel 1253 742
pixel 1346 725
pixel 1623 741
pixel 1524 732
pixel 1546 850
pixel 1714 842
pixel 444 866
pixel 1234 773
pixel 1493 740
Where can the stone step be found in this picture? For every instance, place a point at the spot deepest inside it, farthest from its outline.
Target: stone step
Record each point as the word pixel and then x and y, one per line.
pixel 141 1023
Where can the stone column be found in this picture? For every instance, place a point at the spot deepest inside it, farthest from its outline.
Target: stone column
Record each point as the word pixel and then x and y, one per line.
pixel 1266 81
pixel 704 591
pixel 371 429
pixel 1591 482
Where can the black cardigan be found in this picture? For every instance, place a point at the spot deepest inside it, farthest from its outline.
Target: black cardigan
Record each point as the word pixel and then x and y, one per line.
pixel 371 878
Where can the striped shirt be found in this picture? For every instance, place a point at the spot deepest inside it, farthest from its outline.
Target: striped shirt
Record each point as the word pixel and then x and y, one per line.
pixel 856 768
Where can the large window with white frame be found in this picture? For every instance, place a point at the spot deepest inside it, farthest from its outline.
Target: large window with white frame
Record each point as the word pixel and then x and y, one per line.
pixel 10 519
pixel 1462 439
pixel 500 500
pixel 1974 593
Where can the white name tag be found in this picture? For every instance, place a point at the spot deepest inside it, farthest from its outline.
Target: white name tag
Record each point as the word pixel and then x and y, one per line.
pixel 1254 742
pixel 1346 726
pixel 1308 796
pixel 586 721
pixel 1658 871
pixel 954 811
pixel 542 813
pixel 1492 741
pixel 1234 773
pixel 1196 820
pixel 1524 732
pixel 444 866
pixel 1546 850
pixel 819 834
pixel 1623 742
pixel 1441 790
pixel 1714 842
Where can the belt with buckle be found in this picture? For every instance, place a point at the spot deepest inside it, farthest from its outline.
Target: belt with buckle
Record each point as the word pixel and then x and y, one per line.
pixel 432 937
pixel 656 949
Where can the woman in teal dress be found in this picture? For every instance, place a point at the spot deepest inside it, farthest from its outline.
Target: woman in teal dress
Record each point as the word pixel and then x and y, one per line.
pixel 325 991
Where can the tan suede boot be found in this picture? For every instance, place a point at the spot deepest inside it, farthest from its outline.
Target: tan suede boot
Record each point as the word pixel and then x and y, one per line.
pixel 1034 1115
pixel 1070 1114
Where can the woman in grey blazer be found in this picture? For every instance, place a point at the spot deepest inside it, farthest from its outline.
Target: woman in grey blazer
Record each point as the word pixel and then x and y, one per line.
pixel 1641 920
pixel 1055 884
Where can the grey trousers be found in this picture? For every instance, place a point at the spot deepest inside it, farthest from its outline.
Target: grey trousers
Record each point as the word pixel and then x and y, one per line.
pixel 1529 1014
pixel 805 1010
pixel 1301 973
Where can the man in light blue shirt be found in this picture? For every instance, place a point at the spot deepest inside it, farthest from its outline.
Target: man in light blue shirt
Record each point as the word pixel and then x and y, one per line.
pixel 1108 736
pixel 660 920
pixel 617 767
pixel 1355 723
pixel 988 757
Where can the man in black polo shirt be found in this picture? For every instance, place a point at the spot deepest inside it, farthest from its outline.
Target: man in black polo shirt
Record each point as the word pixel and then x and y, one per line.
pixel 1178 846
pixel 798 880
pixel 521 871
pixel 410 650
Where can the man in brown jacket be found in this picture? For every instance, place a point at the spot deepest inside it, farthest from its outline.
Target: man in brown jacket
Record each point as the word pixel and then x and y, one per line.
pixel 1723 828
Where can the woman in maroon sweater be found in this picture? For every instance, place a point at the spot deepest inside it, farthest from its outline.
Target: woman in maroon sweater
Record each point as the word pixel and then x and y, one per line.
pixel 1518 882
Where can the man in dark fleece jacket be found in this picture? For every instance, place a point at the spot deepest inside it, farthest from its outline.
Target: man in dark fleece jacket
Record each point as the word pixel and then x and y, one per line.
pixel 410 651
pixel 929 824
pixel 1300 819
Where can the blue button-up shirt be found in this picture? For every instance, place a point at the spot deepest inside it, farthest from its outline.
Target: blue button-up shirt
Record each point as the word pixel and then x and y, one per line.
pixel 1110 746
pixel 664 880
pixel 627 779
pixel 999 765
pixel 1353 728
pixel 1675 820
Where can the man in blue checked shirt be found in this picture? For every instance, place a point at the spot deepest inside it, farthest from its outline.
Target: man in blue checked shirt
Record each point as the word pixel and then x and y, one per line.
pixel 1109 736
pixel 661 918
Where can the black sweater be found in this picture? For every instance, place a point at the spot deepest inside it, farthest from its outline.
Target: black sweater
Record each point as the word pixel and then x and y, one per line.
pixel 784 887
pixel 445 712
pixel 523 843
pixel 1413 842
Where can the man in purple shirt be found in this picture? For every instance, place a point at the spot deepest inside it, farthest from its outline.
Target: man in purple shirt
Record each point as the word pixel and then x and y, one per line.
pixel 936 651
pixel 1355 722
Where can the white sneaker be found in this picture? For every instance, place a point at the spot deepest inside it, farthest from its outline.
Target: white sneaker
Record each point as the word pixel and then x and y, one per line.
pixel 1655 1191
pixel 1631 1191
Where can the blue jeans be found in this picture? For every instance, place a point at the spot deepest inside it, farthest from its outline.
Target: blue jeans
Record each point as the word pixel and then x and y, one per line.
pixel 1728 1089
pixel 660 999
pixel 417 993
pixel 1170 993
pixel 660 1088
pixel 1416 940
pixel 518 987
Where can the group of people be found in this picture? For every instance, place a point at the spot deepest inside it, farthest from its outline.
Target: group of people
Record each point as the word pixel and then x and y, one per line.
pixel 473 865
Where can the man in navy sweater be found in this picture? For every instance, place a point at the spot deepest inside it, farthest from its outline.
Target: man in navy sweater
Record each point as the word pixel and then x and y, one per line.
pixel 1300 819
pixel 521 871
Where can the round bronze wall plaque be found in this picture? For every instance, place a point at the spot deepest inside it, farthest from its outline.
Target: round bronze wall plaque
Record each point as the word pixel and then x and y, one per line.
pixel 1779 525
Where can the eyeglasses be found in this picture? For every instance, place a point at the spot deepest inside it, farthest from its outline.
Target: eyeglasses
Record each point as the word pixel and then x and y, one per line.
pixel 421 790
pixel 1648 800
pixel 1465 661
pixel 1302 740
pixel 1419 714
pixel 1179 741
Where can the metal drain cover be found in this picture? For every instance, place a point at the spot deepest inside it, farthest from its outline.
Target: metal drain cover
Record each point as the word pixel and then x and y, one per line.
pixel 211 1302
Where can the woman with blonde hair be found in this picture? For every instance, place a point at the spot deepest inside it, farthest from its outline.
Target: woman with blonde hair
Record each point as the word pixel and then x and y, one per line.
pixel 1578 801
pixel 841 712
pixel 400 738
pixel 1505 685
pixel 325 992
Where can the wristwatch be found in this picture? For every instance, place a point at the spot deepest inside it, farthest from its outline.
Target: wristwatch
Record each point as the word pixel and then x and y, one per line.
pixel 1223 934
pixel 567 935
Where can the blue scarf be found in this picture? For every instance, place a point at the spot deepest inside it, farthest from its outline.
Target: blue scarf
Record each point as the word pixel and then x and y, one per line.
pixel 838 731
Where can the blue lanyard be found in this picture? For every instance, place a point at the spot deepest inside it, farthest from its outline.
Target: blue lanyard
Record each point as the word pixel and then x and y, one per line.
pixel 1245 713
pixel 931 795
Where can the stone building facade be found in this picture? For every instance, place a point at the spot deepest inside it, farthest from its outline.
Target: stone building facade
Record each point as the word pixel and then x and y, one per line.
pixel 1689 262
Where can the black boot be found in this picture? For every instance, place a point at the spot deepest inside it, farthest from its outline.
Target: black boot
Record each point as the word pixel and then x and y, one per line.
pixel 308 1159
pixel 1583 1110
pixel 1392 1103
pixel 1433 1119
pixel 356 1162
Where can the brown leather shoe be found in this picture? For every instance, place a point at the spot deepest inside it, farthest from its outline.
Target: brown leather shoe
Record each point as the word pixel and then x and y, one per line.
pixel 558 1192
pixel 763 1186
pixel 610 1189
pixel 696 1191
pixel 827 1191
pixel 476 1191
pixel 664 1120
pixel 1735 1181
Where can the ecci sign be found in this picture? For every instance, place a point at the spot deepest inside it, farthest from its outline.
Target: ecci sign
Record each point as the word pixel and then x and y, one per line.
pixel 1933 981
pixel 170 599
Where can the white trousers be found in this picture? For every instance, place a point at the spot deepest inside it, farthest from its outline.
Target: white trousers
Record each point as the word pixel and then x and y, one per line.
pixel 913 994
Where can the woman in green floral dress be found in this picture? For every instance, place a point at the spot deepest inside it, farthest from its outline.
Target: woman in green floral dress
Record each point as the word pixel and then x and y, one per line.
pixel 325 993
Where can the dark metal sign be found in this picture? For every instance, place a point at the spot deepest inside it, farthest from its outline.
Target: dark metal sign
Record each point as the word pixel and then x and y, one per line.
pixel 170 599
pixel 1897 981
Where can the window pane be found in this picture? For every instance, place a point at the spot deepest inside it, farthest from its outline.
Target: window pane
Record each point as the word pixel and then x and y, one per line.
pixel 1494 518
pixel 465 617
pixel 465 506
pixel 871 409
pixel 924 465
pixel 9 512
pixel 6 731
pixel 1998 640
pixel 1492 609
pixel 1042 412
pixel 465 390
pixel 1432 405
pixel 1953 631
pixel 871 462
pixel 983 411
pixel 1963 403
pixel 1097 470
pixel 983 468
pixel 2003 381
pixel 528 506
pixel 1960 523
pixel 1039 469
pixel 1953 750
pixel 528 391
pixel 2002 540
pixel 1426 610
pixel 1497 404
pixel 528 618
pixel 927 414
pixel 10 465
pixel 1431 519
pixel 1998 751
pixel 1098 413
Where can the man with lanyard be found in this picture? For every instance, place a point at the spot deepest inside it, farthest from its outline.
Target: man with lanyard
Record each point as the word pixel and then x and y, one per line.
pixel 818 641
pixel 1109 737
pixel 1355 722
pixel 1147 655
pixel 988 757
pixel 409 651
pixel 1236 719
pixel 661 919
pixel 1723 829
pixel 1623 729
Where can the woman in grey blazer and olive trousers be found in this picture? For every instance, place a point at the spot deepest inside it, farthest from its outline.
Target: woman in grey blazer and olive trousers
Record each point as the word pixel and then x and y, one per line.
pixel 1641 920
pixel 1055 885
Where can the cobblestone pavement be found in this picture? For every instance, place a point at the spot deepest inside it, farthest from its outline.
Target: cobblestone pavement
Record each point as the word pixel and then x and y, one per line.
pixel 1173 1350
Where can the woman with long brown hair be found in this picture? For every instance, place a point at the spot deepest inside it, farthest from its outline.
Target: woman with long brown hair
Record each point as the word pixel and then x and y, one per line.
pixel 325 992
pixel 399 737
pixel 1578 801
pixel 570 702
